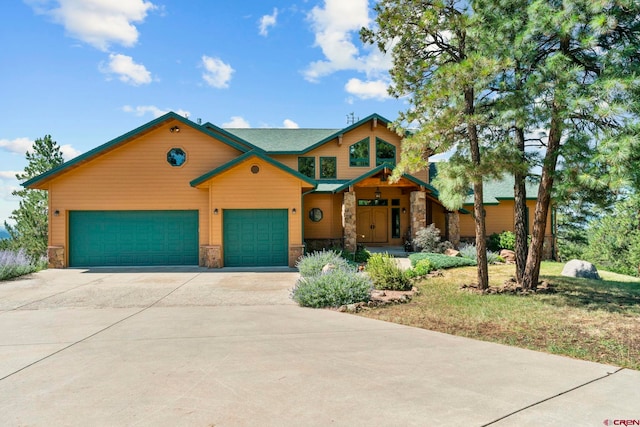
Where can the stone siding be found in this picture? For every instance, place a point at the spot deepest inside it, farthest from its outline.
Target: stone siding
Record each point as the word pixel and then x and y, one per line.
pixel 349 221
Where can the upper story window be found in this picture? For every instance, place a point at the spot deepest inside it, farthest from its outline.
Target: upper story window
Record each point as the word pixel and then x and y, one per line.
pixel 385 153
pixel 359 153
pixel 307 166
pixel 328 167
pixel 176 157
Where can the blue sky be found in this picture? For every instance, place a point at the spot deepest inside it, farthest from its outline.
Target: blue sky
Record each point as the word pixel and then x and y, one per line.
pixel 87 71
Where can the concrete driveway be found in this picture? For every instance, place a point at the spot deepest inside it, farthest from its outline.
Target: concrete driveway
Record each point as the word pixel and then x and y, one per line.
pixel 194 347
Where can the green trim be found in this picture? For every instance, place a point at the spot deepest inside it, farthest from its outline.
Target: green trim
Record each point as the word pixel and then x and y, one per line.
pixel 335 169
pixel 95 152
pixel 337 134
pixel 378 169
pixel 386 161
pixel 240 159
pixel 301 165
pixel 218 131
pixel 353 160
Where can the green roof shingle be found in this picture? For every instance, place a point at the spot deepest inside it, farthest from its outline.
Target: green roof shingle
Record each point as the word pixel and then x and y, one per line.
pixel 282 140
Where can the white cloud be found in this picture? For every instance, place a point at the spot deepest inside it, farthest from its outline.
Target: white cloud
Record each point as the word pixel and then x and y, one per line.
pixel 336 25
pixel 8 175
pixel 375 89
pixel 156 112
pixel 16 146
pixel 268 21
pixel 217 74
pixel 236 122
pixel 99 23
pixel 68 152
pixel 290 124
pixel 127 70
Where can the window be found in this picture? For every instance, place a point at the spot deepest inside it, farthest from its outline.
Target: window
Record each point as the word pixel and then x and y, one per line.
pixel 307 166
pixel 373 202
pixel 395 223
pixel 385 153
pixel 359 153
pixel 328 167
pixel 176 157
pixel 315 214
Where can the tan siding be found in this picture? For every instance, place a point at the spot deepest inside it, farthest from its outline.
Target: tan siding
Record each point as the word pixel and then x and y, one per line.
pixel 271 188
pixel 341 152
pixel 326 228
pixel 137 176
pixel 499 218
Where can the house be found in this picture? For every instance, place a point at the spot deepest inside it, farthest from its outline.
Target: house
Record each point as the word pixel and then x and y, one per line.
pixel 173 192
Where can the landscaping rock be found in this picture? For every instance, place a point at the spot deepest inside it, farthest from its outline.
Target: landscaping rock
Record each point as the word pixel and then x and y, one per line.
pixel 451 252
pixel 508 256
pixel 328 268
pixel 578 268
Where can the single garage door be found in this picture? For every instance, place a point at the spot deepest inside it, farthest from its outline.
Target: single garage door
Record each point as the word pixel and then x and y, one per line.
pixel 121 238
pixel 255 237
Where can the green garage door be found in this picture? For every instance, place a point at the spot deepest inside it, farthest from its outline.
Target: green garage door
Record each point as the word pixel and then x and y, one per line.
pixel 256 237
pixel 121 238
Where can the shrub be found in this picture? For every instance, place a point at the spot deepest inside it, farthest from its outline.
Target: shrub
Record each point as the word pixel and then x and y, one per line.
pixel 507 240
pixel 427 239
pixel 439 261
pixel 15 264
pixel 341 286
pixel 361 255
pixel 311 264
pixel 469 251
pixel 386 274
pixel 423 267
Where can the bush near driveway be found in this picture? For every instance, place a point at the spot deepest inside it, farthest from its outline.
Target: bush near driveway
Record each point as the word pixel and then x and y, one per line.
pixel 341 286
pixel 386 274
pixel 312 264
pixel 14 264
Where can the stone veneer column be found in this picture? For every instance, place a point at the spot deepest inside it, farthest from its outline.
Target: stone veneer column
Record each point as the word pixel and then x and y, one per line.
pixel 349 221
pixel 211 256
pixel 418 210
pixel 295 252
pixel 55 255
pixel 454 228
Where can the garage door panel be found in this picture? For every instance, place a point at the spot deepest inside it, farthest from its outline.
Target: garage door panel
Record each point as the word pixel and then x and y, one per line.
pixel 131 238
pixel 256 237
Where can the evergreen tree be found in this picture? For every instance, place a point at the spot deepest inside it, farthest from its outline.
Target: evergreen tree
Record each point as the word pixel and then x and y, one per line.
pixel 30 231
pixel 437 64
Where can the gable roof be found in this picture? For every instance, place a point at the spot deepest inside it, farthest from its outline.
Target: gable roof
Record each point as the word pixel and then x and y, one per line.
pixel 292 141
pixel 240 159
pixel 493 191
pixel 127 137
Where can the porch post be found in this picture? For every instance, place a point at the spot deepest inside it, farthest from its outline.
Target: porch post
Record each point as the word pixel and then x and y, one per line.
pixel 349 221
pixel 453 219
pixel 418 210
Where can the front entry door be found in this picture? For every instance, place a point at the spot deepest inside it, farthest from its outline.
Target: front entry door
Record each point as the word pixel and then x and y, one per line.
pixel 372 224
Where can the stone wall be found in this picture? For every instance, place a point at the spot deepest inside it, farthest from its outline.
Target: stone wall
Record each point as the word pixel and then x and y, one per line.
pixel 349 221
pixel 312 245
pixel 211 256
pixel 418 209
pixel 295 252
pixel 55 254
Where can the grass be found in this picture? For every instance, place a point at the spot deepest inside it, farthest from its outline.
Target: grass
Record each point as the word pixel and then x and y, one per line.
pixel 585 319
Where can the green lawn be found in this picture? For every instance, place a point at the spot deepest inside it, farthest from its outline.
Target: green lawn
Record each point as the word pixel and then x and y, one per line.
pixel 586 319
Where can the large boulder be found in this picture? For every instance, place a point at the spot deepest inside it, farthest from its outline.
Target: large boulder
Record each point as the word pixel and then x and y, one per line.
pixel 578 268
pixel 508 256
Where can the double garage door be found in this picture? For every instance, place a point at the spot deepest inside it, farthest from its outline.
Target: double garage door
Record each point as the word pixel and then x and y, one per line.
pixel 252 237
pixel 133 238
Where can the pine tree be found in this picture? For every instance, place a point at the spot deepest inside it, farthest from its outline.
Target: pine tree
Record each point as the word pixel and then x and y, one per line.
pixel 30 231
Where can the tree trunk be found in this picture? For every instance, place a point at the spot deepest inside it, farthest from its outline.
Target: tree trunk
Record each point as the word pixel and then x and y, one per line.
pixel 478 203
pixel 534 258
pixel 520 201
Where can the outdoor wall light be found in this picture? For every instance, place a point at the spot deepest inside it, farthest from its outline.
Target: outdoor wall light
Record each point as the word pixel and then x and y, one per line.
pixel 215 211
pixel 404 210
pixel 56 212
pixel 378 194
pixel 175 129
pixel 293 211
